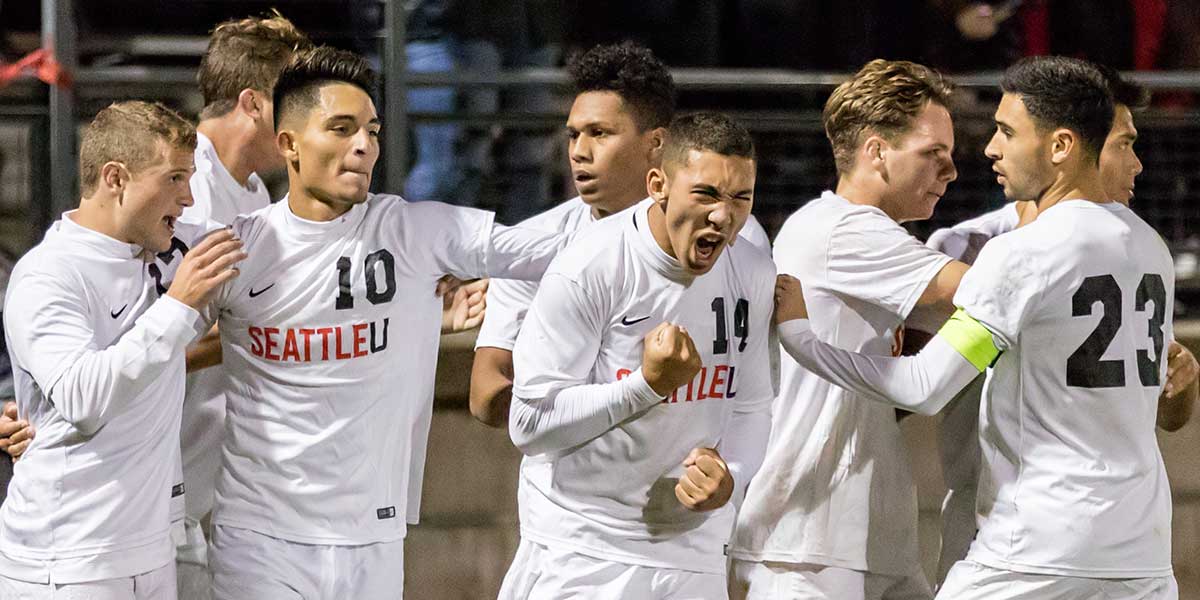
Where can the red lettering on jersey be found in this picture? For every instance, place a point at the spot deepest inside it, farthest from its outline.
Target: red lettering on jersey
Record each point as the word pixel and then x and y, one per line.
pixel 623 373
pixel 729 393
pixel 688 397
pixel 718 372
pixel 325 331
pixel 256 347
pixel 289 346
pixel 700 395
pixel 359 339
pixel 307 333
pixel 269 333
pixel 338 354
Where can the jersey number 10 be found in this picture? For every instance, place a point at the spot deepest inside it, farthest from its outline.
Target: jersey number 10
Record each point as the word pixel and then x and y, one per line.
pixel 1085 368
pixel 375 295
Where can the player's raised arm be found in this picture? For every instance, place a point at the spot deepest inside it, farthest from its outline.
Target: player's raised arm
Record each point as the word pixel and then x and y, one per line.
pixel 923 383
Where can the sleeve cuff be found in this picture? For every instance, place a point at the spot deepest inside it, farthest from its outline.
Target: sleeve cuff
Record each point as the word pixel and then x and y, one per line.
pixel 180 322
pixel 794 327
pixel 640 391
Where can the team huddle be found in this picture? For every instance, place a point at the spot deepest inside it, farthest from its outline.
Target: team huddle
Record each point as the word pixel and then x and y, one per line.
pixel 220 397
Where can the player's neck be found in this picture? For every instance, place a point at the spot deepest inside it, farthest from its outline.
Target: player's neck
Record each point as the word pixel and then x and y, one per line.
pixel 856 192
pixel 1081 185
pixel 231 141
pixel 657 222
pixel 96 213
pixel 309 207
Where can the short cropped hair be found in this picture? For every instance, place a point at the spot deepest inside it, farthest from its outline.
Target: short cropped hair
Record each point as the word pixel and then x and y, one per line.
pixel 300 81
pixel 706 131
pixel 130 132
pixel 1132 94
pixel 632 72
pixel 883 99
pixel 245 54
pixel 1064 92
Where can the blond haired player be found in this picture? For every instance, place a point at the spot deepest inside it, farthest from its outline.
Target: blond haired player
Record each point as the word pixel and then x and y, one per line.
pixel 832 513
pixel 1070 317
pixel 99 356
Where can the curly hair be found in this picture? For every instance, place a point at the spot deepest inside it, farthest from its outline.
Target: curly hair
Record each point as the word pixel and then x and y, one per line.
pixel 245 54
pixel 633 72
pixel 883 98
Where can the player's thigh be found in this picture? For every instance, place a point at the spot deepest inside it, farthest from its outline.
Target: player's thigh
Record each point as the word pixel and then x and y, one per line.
pixel 159 584
pixel 524 571
pixel 108 589
pixel 769 580
pixel 247 564
pixel 892 587
pixel 677 584
pixel 972 581
pixel 566 575
pixel 370 571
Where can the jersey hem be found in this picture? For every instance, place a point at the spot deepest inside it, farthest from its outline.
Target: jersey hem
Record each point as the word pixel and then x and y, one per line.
pixel 816 559
pixel 1008 565
pixel 304 538
pixel 717 566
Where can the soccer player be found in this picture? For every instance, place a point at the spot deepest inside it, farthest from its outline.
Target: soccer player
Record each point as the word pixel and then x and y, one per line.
pixel 832 513
pixel 330 338
pixel 643 387
pixel 625 99
pixel 99 352
pixel 958 443
pixel 1070 317
pixel 235 142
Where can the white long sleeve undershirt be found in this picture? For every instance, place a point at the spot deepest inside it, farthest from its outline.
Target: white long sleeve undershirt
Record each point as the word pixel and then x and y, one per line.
pixel 569 417
pixel 923 384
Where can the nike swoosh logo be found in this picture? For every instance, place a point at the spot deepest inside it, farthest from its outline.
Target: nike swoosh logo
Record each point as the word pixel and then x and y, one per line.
pixel 255 294
pixel 117 313
pixel 625 320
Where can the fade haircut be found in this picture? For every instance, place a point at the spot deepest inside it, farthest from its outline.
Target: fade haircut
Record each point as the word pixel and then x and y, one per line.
pixel 705 131
pixel 130 133
pixel 1064 92
pixel 632 72
pixel 883 99
pixel 300 82
pixel 245 54
pixel 1133 95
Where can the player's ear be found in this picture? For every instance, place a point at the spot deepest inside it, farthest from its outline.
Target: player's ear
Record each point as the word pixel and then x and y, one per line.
pixel 114 176
pixel 285 140
pixel 872 154
pixel 1062 143
pixel 656 184
pixel 658 136
pixel 250 104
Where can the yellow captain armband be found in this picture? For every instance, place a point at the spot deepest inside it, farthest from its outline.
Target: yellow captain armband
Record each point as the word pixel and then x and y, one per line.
pixel 972 340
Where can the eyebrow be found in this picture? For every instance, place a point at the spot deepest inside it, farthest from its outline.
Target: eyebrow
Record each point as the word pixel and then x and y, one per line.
pixel 344 117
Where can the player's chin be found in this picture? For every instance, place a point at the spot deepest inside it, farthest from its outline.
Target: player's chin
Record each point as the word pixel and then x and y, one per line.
pixel 702 259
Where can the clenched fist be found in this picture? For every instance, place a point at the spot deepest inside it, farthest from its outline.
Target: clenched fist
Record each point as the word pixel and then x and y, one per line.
pixel 669 358
pixel 707 483
pixel 789 299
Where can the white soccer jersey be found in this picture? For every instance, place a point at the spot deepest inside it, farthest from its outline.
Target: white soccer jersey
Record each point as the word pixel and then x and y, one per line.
pixel 509 299
pixel 1072 482
pixel 613 496
pixel 835 487
pixel 330 338
pixel 958 433
pixel 98 359
pixel 216 197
